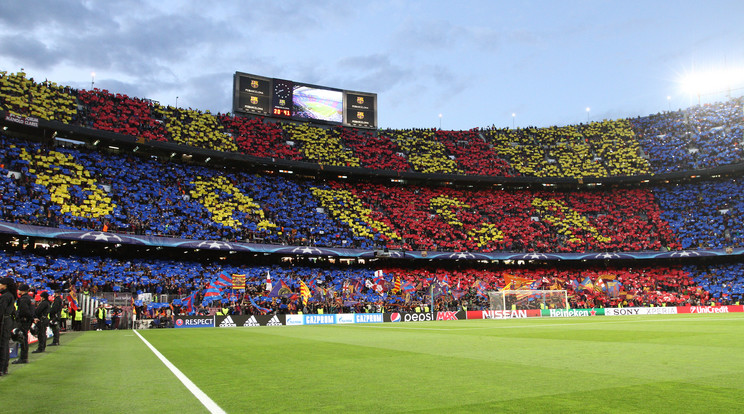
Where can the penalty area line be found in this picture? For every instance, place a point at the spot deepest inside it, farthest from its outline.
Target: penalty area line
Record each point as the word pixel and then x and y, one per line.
pixel 198 393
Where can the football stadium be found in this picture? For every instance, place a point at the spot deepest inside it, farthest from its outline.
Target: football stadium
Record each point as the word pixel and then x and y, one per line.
pixel 291 254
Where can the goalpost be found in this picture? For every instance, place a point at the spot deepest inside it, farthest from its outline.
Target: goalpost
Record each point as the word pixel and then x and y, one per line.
pixel 527 299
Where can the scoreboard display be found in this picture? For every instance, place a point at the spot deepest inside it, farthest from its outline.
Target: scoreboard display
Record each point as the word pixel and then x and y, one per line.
pixel 300 101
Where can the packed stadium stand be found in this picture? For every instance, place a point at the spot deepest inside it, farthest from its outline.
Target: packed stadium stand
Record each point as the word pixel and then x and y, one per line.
pixel 545 196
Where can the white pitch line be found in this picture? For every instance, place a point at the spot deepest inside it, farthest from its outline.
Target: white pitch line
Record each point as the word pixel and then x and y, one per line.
pixel 198 393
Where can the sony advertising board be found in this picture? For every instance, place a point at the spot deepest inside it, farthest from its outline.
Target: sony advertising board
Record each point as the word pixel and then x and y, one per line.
pixel 640 311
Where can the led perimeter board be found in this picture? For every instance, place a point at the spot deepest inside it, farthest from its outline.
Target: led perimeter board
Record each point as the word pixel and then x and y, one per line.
pixel 300 101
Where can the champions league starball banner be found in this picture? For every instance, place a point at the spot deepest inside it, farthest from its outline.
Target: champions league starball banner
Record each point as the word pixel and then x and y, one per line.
pixel 141 240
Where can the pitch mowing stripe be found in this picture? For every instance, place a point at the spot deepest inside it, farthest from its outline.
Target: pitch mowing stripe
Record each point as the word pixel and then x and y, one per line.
pixel 411 326
pixel 198 393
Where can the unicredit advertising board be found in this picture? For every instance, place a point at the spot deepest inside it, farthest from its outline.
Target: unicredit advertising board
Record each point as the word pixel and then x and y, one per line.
pixel 710 309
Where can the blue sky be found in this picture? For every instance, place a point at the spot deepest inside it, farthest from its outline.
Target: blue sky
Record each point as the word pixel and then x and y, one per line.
pixel 474 62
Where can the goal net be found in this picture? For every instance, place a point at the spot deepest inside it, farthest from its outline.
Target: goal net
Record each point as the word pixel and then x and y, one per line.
pixel 528 299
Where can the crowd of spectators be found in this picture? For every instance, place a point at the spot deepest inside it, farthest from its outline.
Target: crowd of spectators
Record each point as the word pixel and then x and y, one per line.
pixel 374 151
pixel 705 214
pixel 319 145
pixel 596 149
pixel 83 189
pixel 78 189
pixel 424 153
pixel 443 218
pixel 723 282
pixel 259 138
pixel 349 288
pixel 473 154
pixel 26 97
pixel 120 113
pixel 703 136
pixel 196 129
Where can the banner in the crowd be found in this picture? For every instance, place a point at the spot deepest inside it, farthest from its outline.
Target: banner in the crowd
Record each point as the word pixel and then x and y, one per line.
pixel 99 236
pixel 23 120
pixel 232 321
pixel 238 282
pixel 710 309
pixel 194 321
pixel 566 313
pixel 671 310
pixel 503 314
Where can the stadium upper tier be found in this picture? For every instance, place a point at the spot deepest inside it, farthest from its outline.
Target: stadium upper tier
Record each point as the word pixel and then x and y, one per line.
pixel 698 137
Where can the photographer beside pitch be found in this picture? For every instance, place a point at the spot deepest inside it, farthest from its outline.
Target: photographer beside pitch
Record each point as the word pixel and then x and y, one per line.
pixel 7 308
pixel 25 317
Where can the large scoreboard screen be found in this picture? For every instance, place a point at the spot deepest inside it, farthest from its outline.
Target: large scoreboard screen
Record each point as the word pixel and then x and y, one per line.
pixel 288 99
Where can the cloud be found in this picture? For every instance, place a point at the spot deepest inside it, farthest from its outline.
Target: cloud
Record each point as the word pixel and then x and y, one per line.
pixel 212 91
pixel 146 44
pixel 27 49
pixel 429 34
pixel 116 86
pixel 29 16
pixel 375 72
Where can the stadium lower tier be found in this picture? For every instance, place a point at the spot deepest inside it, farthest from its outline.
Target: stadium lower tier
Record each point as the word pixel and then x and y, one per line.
pixel 77 189
pixel 338 288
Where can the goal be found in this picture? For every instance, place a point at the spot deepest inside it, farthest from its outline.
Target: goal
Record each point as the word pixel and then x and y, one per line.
pixel 528 299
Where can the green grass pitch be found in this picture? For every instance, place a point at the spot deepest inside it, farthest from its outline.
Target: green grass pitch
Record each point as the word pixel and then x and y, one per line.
pixel 654 364
pixel 323 109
